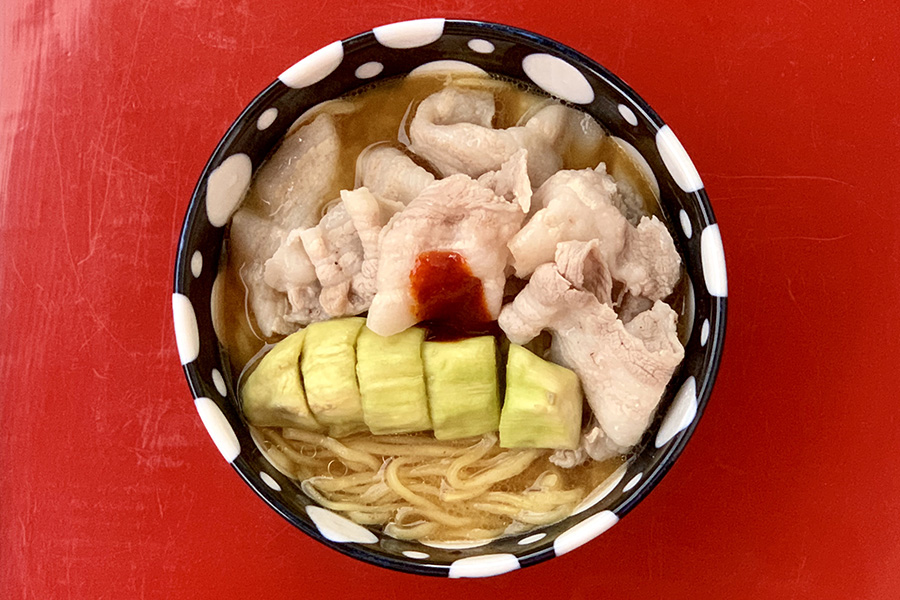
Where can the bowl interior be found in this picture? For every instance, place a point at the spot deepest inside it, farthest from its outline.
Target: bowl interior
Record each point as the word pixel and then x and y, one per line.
pixel 519 55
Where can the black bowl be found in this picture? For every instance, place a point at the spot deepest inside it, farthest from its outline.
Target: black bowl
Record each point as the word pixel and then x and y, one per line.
pixel 520 55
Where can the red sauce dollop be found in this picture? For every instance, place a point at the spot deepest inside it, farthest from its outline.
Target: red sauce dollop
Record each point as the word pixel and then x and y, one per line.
pixel 447 294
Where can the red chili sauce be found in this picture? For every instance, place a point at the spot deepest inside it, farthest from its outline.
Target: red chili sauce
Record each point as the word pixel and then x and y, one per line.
pixel 448 298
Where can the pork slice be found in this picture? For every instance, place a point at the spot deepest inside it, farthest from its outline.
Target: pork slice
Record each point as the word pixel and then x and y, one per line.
pixel 294 184
pixel 511 181
pixel 623 369
pixel 582 265
pixel 336 253
pixel 578 205
pixel 648 263
pixel 455 214
pixel 577 282
pixel 342 251
pixel 252 239
pixel 569 131
pixel 452 130
pixel 289 265
pixel 369 214
pixel 630 306
pixel 305 307
pixel 625 376
pixel 390 174
pixel 629 202
pixel 291 271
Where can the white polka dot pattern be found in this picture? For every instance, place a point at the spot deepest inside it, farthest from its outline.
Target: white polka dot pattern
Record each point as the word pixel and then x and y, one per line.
pixel 267 118
pixel 218 428
pixel 601 491
pixel 704 332
pixel 416 554
pixel 269 481
pixel 196 264
pixel 368 70
pixel 582 533
pixel 219 382
pixel 315 67
pixel 226 186
pixel 681 413
pixel 337 528
pixel 447 66
pixel 685 224
pixel 481 46
pixel 712 257
pixel 627 114
pixel 557 77
pixel 187 335
pixel 632 482
pixel 532 539
pixel 409 34
pixel 677 161
pixel 487 565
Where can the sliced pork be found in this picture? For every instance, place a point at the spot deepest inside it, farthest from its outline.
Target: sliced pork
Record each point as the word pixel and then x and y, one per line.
pixel 291 271
pixel 252 239
pixel 335 251
pixel 570 132
pixel 390 174
pixel 343 249
pixel 295 183
pixel 511 181
pixel 452 130
pixel 369 214
pixel 454 215
pixel 623 368
pixel 578 205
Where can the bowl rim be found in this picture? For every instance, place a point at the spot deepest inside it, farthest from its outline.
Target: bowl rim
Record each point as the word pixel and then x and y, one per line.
pixel 718 309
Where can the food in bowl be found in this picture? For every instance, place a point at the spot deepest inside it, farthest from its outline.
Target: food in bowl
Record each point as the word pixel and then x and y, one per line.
pixel 454 303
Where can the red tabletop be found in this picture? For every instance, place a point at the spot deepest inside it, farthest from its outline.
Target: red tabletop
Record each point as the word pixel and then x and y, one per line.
pixel 111 488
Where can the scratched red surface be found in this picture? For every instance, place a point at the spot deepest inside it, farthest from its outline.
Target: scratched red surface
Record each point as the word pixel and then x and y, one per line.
pixel 110 487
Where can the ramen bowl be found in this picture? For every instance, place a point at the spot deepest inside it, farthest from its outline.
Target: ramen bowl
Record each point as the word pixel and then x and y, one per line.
pixel 517 55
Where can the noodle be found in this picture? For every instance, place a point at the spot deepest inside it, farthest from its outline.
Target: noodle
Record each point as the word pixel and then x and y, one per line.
pixel 427 507
pixel 332 484
pixel 376 492
pixel 475 453
pixel 291 453
pixel 429 450
pixel 310 490
pixel 281 462
pixel 430 469
pixel 369 518
pixel 529 517
pixel 451 494
pixel 417 488
pixel 414 532
pixel 512 463
pixel 531 500
pixel 352 458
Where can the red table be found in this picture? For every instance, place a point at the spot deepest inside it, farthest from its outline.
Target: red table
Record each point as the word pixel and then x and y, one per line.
pixel 111 488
